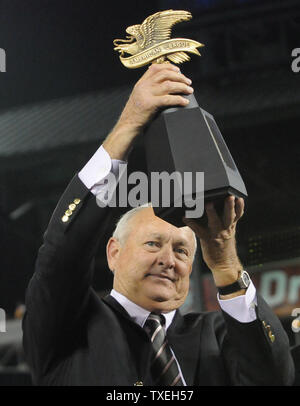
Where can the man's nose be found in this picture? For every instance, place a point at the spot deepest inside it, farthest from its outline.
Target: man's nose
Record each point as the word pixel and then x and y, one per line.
pixel 167 258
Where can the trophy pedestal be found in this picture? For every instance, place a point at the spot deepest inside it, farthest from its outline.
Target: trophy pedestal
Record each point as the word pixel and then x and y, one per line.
pixel 187 139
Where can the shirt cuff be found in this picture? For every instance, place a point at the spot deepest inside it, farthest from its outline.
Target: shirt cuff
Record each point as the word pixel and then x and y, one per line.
pixel 95 172
pixel 241 308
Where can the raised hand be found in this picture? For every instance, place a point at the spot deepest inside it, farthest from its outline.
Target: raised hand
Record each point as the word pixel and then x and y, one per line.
pixel 218 243
pixel 159 87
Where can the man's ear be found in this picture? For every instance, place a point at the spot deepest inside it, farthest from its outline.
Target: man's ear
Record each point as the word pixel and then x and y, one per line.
pixel 113 248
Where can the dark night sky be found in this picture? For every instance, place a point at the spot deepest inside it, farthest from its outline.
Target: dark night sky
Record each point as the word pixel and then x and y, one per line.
pixel 59 48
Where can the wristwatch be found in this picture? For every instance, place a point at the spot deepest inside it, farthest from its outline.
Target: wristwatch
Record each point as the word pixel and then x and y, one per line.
pixel 242 283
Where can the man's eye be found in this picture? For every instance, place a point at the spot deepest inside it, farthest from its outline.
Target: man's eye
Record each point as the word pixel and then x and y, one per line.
pixel 152 243
pixel 181 251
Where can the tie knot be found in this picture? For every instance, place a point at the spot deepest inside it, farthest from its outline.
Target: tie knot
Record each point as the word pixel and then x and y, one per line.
pixel 153 321
pixel 159 318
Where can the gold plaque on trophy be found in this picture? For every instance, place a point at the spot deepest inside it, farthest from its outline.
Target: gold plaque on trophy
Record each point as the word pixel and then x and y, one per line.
pixel 151 42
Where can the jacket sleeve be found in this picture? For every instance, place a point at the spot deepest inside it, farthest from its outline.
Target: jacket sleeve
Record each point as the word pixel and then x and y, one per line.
pixel 258 353
pixel 58 292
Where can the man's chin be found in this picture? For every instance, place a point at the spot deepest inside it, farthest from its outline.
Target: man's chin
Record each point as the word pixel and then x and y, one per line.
pixel 161 291
pixel 159 304
pixel 163 300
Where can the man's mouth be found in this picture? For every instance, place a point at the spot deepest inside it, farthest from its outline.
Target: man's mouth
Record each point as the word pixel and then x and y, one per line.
pixel 161 276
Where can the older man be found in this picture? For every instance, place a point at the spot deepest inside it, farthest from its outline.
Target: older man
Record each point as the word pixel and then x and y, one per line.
pixel 137 335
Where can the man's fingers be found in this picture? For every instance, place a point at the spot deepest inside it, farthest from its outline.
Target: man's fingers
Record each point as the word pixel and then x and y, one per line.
pixel 172 76
pixel 169 87
pixel 172 100
pixel 213 220
pixel 153 92
pixel 239 208
pixel 233 210
pixel 158 67
pixel 169 82
pixel 162 86
pixel 229 212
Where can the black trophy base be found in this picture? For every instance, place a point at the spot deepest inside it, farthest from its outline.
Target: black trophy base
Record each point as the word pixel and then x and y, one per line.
pixel 174 215
pixel 187 139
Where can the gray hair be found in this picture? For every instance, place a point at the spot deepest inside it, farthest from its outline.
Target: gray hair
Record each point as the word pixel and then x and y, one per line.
pixel 122 229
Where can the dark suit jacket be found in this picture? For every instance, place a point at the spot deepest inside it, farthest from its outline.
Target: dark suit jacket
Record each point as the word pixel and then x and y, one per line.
pixel 72 337
pixel 295 351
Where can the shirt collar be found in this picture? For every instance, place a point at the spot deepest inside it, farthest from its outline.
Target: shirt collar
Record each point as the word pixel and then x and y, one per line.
pixel 138 313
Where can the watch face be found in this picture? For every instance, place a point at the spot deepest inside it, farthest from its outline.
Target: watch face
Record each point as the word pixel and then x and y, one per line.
pixel 245 278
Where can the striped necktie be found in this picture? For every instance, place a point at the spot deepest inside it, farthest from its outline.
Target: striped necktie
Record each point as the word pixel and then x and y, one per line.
pixel 164 368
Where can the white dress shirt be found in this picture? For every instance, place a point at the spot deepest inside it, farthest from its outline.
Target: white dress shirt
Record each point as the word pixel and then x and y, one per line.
pixel 93 175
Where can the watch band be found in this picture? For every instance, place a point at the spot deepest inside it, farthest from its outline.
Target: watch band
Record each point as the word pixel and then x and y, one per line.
pixel 242 282
pixel 226 290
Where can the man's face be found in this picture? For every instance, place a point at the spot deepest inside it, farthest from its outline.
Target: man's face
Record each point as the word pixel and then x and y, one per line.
pixel 153 266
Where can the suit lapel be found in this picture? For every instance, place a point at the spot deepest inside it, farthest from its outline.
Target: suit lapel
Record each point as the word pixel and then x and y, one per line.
pixel 185 342
pixel 138 339
pixel 112 302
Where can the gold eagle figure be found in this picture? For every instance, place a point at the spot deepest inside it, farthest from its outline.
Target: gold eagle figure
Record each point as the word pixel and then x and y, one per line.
pixel 154 29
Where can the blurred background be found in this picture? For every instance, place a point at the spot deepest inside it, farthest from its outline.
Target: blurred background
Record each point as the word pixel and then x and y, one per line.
pixel 64 88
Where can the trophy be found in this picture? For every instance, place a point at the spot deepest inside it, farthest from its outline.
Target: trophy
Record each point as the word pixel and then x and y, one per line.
pixel 181 140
